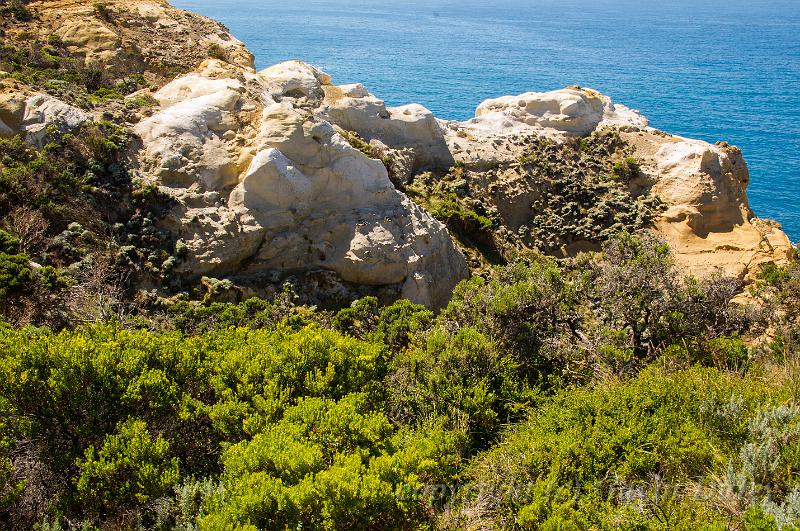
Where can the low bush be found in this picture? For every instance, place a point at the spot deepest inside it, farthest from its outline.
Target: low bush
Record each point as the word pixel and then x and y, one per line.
pixel 636 454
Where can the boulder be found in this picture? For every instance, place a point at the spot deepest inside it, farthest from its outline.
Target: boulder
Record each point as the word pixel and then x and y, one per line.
pixel 34 115
pixel 295 79
pixel 12 112
pixel 264 183
pixel 186 141
pixel 413 127
pixel 571 111
pixel 711 180
pixel 90 38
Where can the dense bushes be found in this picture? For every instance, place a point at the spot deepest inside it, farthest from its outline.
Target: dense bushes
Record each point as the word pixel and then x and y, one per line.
pixel 602 392
pixel 48 66
pixel 596 457
pixel 73 209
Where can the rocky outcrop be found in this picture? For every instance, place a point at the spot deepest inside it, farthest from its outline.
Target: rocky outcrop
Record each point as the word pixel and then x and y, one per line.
pixel 706 217
pixel 32 116
pixel 708 221
pixel 571 111
pixel 265 182
pixel 281 172
pixel 126 37
pixel 410 127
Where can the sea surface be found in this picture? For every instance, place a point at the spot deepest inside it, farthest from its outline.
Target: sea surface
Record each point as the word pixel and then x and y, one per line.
pixel 709 69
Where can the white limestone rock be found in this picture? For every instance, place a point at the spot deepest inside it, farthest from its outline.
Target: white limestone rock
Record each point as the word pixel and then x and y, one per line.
pixel 42 111
pixel 414 127
pixel 712 180
pixel 265 185
pixel 567 112
pixel 185 142
pixel 295 79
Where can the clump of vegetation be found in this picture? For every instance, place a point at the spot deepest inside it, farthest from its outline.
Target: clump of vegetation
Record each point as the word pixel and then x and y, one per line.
pixel 459 217
pixel 584 197
pixel 50 68
pixel 581 197
pixel 626 170
pixel 17 10
pixel 591 393
pixel 102 10
pixel 77 215
pixel 15 271
pixel 47 66
pixel 466 224
pixel 144 101
pixel 355 140
pixel 215 51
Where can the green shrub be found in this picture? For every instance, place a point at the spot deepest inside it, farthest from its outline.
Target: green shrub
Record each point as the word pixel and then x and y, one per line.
pixel 581 457
pixel 102 10
pixel 393 325
pixel 18 10
pixel 355 140
pixel 626 170
pixel 129 469
pixel 15 274
pixel 215 51
pixel 453 213
pixel 8 243
pixel 530 310
pixel 134 408
pixel 774 275
pixel 462 379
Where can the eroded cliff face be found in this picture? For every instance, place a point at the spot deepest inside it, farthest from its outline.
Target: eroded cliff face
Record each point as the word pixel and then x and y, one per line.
pixel 281 172
pixel 704 216
pixel 266 181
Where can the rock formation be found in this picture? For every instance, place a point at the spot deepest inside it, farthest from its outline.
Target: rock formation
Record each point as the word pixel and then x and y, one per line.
pixel 706 219
pixel 282 171
pixel 266 182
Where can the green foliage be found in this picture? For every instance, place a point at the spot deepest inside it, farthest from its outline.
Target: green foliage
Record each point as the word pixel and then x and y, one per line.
pixel 578 202
pixel 8 243
pixel 49 67
pixel 473 229
pixel 17 9
pixel 463 378
pixel 113 401
pixel 15 274
pixel 103 11
pixel 89 219
pixel 355 140
pixel 73 172
pixel 129 469
pixel 773 274
pixel 325 465
pixel 452 212
pixel 215 51
pixel 603 392
pixel 530 311
pixel 582 456
pixel 144 101
pixel 626 170
pixel 393 325
pixel 195 318
pixel 644 306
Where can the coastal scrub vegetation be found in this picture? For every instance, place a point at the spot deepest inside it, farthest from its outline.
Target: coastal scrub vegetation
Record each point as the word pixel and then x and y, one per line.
pixel 600 392
pixel 586 191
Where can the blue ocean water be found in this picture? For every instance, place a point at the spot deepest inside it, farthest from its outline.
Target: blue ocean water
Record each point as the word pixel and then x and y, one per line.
pixel 710 69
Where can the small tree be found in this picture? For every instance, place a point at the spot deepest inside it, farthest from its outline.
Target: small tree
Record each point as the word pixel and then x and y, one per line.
pixel 635 288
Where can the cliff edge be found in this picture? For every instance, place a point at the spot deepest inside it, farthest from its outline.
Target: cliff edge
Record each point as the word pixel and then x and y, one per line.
pixel 280 173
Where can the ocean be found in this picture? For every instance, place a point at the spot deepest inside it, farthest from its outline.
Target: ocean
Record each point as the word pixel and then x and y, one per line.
pixel 715 70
